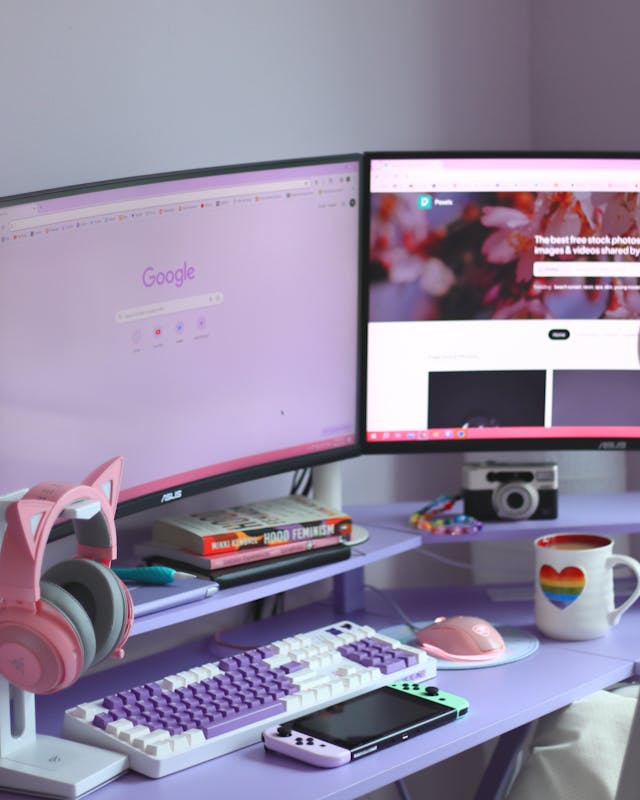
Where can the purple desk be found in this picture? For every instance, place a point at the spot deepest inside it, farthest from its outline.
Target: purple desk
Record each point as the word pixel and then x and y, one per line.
pixel 501 699
pixel 607 514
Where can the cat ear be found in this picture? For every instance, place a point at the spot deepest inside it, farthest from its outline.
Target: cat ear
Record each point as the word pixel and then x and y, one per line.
pixel 23 548
pixel 107 477
pixel 23 519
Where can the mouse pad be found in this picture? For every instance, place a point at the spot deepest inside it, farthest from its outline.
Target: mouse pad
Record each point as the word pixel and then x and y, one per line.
pixel 518 644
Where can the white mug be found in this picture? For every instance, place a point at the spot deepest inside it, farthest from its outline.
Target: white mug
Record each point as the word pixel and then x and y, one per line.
pixel 574 596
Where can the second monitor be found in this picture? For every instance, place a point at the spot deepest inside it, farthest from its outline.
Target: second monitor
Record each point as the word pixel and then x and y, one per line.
pixel 503 301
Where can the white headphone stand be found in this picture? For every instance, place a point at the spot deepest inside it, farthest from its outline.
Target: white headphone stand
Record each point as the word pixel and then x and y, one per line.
pixel 33 763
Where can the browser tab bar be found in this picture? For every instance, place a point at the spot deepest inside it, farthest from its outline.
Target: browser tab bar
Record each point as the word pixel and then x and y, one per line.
pixel 105 209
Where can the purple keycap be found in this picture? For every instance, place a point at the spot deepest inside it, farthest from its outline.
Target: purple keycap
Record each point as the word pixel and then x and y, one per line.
pixel 410 659
pixel 379 643
pixel 248 690
pixel 290 666
pixel 102 720
pixel 241 719
pixel 113 702
pixel 392 666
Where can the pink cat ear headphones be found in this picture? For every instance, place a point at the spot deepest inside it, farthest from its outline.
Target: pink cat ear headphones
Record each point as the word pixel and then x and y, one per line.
pixel 54 627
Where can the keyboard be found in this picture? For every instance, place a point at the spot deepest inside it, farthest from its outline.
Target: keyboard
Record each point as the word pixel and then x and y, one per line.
pixel 215 708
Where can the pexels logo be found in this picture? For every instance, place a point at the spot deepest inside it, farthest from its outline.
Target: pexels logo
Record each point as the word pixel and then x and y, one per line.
pixel 174 277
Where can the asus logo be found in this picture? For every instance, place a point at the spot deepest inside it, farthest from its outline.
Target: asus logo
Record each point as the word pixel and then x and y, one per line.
pixel 167 497
pixel 612 446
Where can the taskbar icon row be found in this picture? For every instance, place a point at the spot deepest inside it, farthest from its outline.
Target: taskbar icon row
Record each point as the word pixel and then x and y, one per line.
pixel 432 434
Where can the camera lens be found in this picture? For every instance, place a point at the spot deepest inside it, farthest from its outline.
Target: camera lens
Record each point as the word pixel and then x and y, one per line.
pixel 515 500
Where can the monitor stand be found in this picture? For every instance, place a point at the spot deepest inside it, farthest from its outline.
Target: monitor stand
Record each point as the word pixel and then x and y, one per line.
pixel 327 488
pixel 33 763
pixel 327 484
pixel 348 591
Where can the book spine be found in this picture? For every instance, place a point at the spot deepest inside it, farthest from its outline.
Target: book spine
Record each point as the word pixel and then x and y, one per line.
pixel 247 555
pixel 234 541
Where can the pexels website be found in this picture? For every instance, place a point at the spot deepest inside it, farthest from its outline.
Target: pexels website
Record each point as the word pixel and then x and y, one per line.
pixel 503 299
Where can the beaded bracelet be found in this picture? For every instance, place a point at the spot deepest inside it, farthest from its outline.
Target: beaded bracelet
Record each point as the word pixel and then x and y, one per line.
pixel 430 518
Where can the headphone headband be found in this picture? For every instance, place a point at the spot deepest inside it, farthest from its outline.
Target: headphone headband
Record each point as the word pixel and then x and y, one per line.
pixel 31 518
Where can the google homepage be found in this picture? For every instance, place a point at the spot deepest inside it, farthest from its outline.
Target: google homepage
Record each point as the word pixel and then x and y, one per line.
pixel 504 299
pixel 188 325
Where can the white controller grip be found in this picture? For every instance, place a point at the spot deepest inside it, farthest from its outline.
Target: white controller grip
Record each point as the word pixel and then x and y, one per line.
pixel 304 748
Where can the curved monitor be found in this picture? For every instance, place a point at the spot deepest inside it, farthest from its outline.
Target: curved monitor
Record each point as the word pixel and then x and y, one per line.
pixel 204 325
pixel 502 301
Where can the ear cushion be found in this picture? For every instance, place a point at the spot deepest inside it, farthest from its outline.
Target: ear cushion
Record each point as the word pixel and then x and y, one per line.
pixel 75 615
pixel 102 596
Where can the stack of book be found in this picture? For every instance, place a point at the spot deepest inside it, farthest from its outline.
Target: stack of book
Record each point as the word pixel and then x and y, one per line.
pixel 251 541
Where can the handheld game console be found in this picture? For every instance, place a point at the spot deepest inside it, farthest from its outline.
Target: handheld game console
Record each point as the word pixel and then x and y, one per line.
pixel 365 724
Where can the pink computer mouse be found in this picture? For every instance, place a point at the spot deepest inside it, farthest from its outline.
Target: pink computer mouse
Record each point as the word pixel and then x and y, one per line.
pixel 461 638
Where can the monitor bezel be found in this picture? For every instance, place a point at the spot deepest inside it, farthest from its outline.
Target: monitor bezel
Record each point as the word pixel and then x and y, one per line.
pixel 417 446
pixel 184 489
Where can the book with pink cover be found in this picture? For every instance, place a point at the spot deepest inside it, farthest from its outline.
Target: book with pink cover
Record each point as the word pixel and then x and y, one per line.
pixel 268 523
pixel 149 551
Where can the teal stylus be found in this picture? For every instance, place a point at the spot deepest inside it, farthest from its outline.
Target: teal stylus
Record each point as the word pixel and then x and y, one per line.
pixel 154 575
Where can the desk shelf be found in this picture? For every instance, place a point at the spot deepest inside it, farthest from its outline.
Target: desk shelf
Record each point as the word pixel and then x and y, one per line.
pixel 609 514
pixel 381 544
pixel 391 534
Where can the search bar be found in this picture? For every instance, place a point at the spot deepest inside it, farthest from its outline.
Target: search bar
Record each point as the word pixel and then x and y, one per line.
pixel 104 209
pixel 586 269
pixel 169 307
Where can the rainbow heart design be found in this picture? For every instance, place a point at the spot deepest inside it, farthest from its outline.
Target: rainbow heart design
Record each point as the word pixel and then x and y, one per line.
pixel 561 588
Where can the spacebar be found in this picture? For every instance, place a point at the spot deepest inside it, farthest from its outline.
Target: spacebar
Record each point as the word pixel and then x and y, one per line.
pixel 243 719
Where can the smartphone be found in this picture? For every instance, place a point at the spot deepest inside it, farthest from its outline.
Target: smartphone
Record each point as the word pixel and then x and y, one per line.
pixel 362 725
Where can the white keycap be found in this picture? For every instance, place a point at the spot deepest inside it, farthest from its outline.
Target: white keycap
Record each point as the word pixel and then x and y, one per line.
pixel 136 731
pixel 172 682
pixel 116 727
pixel 159 749
pixel 180 743
pixel 87 711
pixel 154 737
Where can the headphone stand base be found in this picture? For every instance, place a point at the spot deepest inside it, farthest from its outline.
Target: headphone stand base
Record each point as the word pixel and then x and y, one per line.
pixel 47 765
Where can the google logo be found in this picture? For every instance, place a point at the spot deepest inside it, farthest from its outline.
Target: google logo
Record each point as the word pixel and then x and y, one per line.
pixel 175 277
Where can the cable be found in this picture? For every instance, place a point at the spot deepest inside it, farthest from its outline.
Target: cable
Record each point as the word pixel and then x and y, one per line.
pixel 402 790
pixel 393 605
pixel 301 481
pixel 466 565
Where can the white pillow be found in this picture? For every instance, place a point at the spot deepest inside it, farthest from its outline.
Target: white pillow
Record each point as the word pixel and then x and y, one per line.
pixel 577 752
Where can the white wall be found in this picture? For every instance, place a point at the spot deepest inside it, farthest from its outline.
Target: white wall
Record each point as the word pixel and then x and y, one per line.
pixel 584 87
pixel 104 90
pixel 584 75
